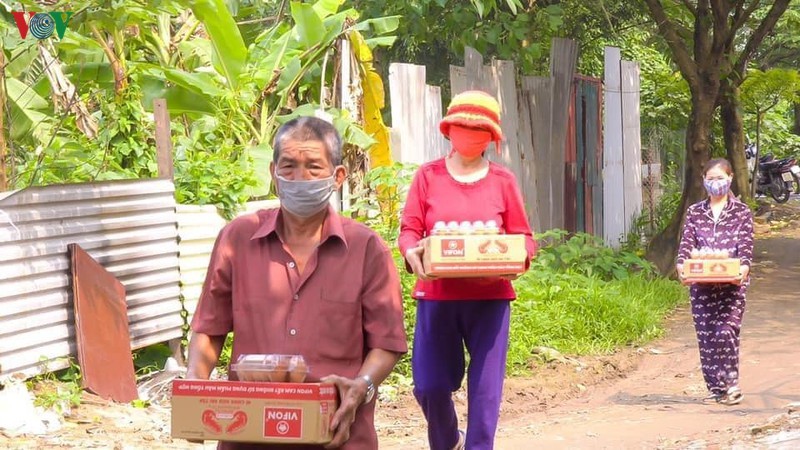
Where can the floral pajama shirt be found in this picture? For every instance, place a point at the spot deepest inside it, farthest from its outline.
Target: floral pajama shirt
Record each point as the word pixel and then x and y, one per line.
pixel 717 309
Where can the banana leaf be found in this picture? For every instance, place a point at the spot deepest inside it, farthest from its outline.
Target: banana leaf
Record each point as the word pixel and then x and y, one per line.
pixel 374 101
pixel 230 54
pixel 308 24
pixel 180 100
pixel 259 157
pixel 29 112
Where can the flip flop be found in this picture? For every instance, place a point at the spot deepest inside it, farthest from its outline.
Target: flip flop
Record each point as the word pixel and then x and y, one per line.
pixel 462 437
pixel 733 397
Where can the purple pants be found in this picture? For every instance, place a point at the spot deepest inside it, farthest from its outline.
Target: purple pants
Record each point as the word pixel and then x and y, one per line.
pixel 442 331
pixel 717 310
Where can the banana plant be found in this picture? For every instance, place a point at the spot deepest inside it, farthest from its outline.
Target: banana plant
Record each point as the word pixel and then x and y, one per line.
pixel 255 88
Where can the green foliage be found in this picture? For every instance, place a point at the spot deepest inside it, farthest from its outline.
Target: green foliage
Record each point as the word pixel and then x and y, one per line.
pixel 225 355
pixel 648 225
pixel 762 91
pixel 578 314
pixel 228 87
pixel 379 200
pixel 781 49
pixel 151 358
pixel 777 133
pixel 60 390
pixel 123 148
pixel 435 32
pixel 578 297
pixel 767 96
pixel 220 177
pixel 141 404
pixel 587 255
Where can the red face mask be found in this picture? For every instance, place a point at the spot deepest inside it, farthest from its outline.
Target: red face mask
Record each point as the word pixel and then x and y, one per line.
pixel 469 142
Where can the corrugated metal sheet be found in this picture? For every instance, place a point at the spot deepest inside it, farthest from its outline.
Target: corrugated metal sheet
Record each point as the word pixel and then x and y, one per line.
pixel 416 112
pixel 631 142
pixel 563 61
pixel 198 227
pixel 593 138
pixel 129 227
pixel 511 155
pixel 539 91
pixel 613 182
pixel 436 146
pixel 528 180
pixel 572 159
pixel 583 198
pixel 581 192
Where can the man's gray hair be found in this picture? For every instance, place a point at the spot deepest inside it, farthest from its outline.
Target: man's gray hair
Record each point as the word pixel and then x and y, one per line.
pixel 309 128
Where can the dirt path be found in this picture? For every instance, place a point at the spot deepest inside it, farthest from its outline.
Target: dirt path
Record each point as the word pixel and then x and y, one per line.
pixel 658 405
pixel 638 398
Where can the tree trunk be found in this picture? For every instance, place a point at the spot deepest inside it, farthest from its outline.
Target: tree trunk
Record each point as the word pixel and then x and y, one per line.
pixel 117 66
pixel 757 153
pixel 797 118
pixel 3 147
pixel 664 246
pixel 733 133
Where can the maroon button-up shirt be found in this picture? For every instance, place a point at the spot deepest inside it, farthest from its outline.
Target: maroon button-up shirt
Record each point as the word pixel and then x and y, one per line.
pixel 347 301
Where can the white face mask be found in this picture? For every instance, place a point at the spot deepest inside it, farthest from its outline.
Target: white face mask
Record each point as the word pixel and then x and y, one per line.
pixel 305 198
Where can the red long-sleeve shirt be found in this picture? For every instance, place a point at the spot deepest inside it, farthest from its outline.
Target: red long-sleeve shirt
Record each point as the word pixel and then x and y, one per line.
pixel 436 196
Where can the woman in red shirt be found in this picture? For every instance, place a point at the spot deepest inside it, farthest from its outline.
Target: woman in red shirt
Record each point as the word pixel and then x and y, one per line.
pixel 457 312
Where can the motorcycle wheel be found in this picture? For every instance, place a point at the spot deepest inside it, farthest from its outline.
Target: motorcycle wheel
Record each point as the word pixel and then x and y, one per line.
pixel 796 184
pixel 779 191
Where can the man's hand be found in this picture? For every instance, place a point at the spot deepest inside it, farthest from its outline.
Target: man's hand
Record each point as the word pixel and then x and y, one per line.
pixel 204 353
pixel 414 259
pixel 352 394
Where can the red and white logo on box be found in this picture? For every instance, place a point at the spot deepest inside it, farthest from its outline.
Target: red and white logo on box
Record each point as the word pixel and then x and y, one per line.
pixel 283 422
pixel 452 247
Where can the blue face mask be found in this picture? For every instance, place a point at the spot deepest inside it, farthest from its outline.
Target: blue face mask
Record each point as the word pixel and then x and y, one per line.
pixel 717 187
pixel 305 198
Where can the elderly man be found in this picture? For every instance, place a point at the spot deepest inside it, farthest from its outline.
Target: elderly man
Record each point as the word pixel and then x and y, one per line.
pixel 303 280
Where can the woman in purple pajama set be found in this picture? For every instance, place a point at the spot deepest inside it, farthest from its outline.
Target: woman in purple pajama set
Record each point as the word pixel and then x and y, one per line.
pixel 721 222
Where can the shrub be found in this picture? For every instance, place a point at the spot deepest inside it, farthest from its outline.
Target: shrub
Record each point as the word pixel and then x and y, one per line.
pixel 579 296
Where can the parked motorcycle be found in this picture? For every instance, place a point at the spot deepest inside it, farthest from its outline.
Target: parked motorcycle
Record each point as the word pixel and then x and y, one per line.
pixel 790 171
pixel 775 177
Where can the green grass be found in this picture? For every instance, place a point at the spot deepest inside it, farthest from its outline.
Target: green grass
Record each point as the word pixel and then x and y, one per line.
pixel 579 298
pixel 580 315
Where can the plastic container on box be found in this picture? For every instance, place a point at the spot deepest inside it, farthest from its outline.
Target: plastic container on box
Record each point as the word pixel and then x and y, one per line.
pixel 271 368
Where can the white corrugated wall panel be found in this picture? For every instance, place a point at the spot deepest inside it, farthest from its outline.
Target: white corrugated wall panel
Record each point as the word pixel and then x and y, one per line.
pixel 129 227
pixel 613 171
pixel 198 227
pixel 631 142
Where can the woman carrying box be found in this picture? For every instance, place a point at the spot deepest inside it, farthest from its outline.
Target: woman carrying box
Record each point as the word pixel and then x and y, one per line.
pixel 456 312
pixel 721 222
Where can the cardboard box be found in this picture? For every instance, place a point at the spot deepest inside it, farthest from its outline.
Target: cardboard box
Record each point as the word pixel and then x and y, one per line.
pixel 711 270
pixel 474 255
pixel 296 413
